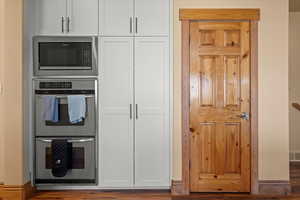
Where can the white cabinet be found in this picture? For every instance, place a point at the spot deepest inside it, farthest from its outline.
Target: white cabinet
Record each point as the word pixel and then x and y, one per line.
pixel 152 113
pixel 61 17
pixel 134 112
pixel 116 117
pixel 134 17
pixel 50 16
pixel 116 17
pixel 152 17
pixel 83 17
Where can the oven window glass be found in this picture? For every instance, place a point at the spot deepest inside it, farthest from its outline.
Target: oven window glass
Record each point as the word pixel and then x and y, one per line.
pixel 63 116
pixel 65 55
pixel 77 158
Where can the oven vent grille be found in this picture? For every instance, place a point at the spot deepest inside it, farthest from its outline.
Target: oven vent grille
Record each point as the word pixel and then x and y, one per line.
pixel 55 85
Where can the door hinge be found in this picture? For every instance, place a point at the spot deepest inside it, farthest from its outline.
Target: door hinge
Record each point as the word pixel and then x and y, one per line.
pixel 189 164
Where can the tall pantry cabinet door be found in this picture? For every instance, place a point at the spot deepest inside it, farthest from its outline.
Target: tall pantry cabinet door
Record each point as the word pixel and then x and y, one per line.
pixel 152 17
pixel 116 112
pixel 51 17
pixel 152 138
pixel 116 17
pixel 83 17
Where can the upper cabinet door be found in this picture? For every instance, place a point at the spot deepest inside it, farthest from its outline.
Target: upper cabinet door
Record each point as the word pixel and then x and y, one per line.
pixel 116 17
pixel 152 137
pixel 82 17
pixel 51 17
pixel 152 17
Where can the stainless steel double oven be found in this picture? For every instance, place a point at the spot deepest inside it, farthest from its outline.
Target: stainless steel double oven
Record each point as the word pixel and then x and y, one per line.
pixel 65 67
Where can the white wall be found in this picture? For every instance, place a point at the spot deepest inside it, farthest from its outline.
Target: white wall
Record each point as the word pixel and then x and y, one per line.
pixel 273 83
pixel 294 87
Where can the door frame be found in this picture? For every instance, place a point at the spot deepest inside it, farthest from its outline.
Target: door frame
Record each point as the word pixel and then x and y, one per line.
pixel 186 16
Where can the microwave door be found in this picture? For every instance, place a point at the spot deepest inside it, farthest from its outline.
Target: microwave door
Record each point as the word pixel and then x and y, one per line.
pixel 65 56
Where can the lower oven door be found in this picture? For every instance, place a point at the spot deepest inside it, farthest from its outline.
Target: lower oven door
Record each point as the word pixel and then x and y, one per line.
pixel 83 168
pixel 63 127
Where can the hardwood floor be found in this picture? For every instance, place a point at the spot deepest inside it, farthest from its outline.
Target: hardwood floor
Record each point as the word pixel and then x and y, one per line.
pixel 295 176
pixel 143 195
pixel 165 195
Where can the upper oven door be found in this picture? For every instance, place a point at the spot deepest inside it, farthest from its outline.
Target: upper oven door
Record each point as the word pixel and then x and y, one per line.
pixel 62 126
pixel 71 56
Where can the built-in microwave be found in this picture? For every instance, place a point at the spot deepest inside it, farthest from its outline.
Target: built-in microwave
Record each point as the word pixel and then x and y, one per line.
pixel 65 56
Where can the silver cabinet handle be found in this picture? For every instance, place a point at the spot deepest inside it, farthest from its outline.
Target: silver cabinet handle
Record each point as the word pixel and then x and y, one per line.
pixel 62 24
pixel 131 24
pixel 136 25
pixel 136 111
pixel 68 24
pixel 130 110
pixel 71 141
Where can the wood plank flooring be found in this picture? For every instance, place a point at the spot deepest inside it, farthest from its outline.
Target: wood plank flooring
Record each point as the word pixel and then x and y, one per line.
pixel 165 195
pixel 295 176
pixel 126 195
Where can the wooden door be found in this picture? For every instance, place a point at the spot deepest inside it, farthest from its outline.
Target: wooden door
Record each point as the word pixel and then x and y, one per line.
pixel 51 17
pixel 83 15
pixel 152 17
pixel 116 17
pixel 152 137
pixel 219 96
pixel 116 112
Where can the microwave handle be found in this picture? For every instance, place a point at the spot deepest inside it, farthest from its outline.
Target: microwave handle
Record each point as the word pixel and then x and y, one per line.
pixel 71 141
pixel 94 49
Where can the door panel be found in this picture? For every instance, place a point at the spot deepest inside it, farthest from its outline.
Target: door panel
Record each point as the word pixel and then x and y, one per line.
pixel 152 113
pixel 152 17
pixel 49 16
pixel 83 17
pixel 116 124
pixel 219 94
pixel 115 17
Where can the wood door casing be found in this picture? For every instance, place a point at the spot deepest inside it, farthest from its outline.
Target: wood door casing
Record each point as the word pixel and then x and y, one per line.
pixel 220 152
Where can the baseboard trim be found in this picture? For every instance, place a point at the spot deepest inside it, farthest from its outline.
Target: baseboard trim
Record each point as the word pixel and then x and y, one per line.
pixel 177 188
pixel 15 192
pixel 277 187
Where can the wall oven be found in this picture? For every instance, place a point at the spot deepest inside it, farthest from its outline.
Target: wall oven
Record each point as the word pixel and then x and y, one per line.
pixel 81 166
pixel 65 56
pixel 61 90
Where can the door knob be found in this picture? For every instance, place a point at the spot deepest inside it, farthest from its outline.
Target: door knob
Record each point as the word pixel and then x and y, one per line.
pixel 244 116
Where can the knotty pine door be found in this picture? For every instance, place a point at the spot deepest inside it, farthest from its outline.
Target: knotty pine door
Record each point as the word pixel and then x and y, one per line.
pixel 219 107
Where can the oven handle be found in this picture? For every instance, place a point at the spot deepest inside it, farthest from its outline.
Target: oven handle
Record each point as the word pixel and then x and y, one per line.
pixel 64 97
pixel 70 141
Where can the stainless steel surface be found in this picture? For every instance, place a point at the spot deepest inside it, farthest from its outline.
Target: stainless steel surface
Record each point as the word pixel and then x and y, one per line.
pixel 63 97
pixel 62 24
pixel 136 25
pixel 68 24
pixel 65 71
pixel 64 68
pixel 71 141
pixel 88 129
pixel 130 110
pixel 244 116
pixel 136 111
pixel 130 24
pixel 86 171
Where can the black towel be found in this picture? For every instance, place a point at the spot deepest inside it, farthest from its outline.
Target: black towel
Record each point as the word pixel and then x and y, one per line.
pixel 61 157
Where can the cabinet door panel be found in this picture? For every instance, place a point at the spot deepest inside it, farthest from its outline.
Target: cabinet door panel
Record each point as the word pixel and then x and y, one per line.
pixel 49 16
pixel 115 17
pixel 116 127
pixel 152 17
pixel 152 122
pixel 83 17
